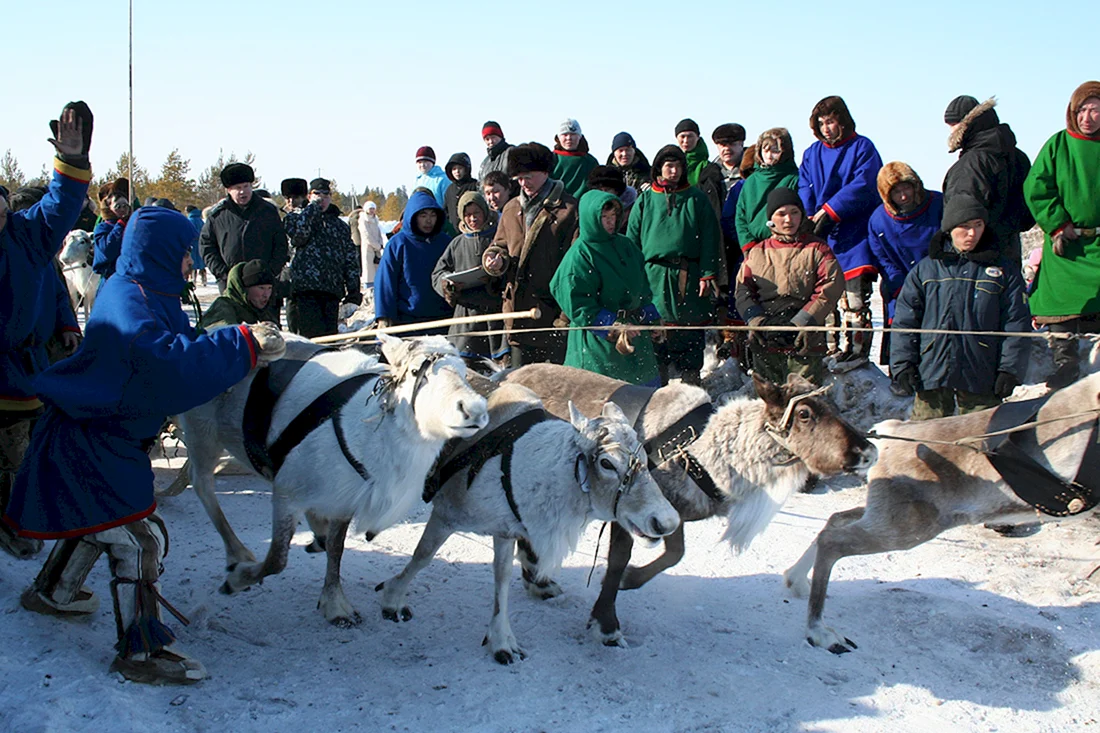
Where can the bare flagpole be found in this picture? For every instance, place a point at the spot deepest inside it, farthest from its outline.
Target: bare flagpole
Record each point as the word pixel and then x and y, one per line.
pixel 130 173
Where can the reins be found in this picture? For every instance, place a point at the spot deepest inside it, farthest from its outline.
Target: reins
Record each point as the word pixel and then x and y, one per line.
pixel 965 442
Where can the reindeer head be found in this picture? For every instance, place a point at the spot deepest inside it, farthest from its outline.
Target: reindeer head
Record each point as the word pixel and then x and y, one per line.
pixel 430 377
pixel 804 422
pixel 76 247
pixel 615 474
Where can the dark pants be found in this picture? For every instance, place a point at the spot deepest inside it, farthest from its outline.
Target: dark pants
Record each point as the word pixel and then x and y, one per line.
pixel 1067 352
pixel 522 355
pixel 683 350
pixel 313 313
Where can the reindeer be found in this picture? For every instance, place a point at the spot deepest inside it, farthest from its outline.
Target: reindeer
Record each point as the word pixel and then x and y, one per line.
pixel 341 435
pixel 742 460
pixel 924 483
pixel 76 265
pixel 572 472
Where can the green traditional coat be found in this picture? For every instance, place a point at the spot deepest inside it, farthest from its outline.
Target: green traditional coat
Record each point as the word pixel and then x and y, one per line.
pixel 697 159
pixel 675 230
pixel 1062 189
pixel 233 307
pixel 601 280
pixel 751 219
pixel 572 170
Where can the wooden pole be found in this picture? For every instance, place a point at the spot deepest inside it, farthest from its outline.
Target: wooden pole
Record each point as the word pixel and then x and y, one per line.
pixel 396 330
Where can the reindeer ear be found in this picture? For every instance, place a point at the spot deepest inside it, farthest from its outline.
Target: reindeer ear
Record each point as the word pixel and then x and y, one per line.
pixel 613 412
pixel 768 391
pixel 580 422
pixel 393 348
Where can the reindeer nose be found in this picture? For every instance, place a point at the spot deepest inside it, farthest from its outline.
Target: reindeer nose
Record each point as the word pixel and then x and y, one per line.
pixel 463 411
pixel 657 528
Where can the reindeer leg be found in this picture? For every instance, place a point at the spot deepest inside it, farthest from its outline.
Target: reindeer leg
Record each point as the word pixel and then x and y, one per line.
pixel 797 577
pixel 319 526
pixel 333 603
pixel 603 612
pixel 544 589
pixel 183 478
pixel 674 552
pixel 283 523
pixel 394 590
pixel 203 458
pixel 502 642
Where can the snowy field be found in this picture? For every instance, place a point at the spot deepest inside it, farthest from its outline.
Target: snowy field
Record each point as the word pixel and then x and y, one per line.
pixel 969 632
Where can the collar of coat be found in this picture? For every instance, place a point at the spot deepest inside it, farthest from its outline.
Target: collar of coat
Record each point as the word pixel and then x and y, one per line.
pixel 955 139
pixel 842 143
pixel 661 189
pixel 986 252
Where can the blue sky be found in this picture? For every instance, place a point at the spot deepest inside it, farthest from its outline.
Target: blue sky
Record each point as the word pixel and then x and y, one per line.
pixel 353 89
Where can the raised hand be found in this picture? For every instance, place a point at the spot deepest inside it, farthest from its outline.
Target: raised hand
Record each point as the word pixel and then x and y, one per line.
pixel 68 133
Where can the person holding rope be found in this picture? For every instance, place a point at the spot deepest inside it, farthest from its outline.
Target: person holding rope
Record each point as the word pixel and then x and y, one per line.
pixel 964 284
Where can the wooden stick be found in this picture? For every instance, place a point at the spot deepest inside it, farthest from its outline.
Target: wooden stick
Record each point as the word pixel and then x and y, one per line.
pixel 404 328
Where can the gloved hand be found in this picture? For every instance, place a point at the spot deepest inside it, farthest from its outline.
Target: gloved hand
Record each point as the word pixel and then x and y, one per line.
pixel 354 298
pixel 758 338
pixel 659 336
pixel 269 342
pixel 1005 384
pixel 823 226
pixel 72 134
pixel 906 382
pixel 802 342
pixel 494 262
pixel 382 323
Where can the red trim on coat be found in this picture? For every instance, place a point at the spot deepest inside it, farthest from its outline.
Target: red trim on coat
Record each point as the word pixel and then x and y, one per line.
pixel 861 270
pixel 1079 136
pixel 569 153
pixel 842 143
pixel 71 329
pixel 68 534
pixel 1058 231
pixel 661 189
pixel 923 208
pixel 829 210
pixel 251 341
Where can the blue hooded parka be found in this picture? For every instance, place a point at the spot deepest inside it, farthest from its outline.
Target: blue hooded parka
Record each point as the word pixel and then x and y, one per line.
pixel 403 290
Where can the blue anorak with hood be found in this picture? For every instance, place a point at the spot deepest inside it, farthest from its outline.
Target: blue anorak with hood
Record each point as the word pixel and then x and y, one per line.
pixel 403 290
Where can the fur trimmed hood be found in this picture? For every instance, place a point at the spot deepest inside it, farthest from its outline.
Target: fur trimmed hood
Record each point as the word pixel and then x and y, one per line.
pixel 891 175
pixel 833 106
pixel 778 135
pixel 1080 94
pixel 117 187
pixel 982 117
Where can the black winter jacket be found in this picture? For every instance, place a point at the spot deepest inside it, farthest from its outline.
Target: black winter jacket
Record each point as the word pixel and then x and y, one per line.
pixel 325 258
pixel 233 234
pixel 978 291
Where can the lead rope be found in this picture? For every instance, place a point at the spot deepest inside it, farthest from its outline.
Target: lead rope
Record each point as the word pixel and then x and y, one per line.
pixel 965 442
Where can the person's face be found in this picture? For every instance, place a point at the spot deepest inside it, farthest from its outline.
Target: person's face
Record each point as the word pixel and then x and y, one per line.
pixel 671 170
pixel 903 196
pixel 119 206
pixel 491 140
pixel 424 165
pixel 624 156
pixel 770 153
pixel 496 195
pixel 473 217
pixel 458 172
pixel 730 152
pixel 687 140
pixel 321 198
pixel 609 217
pixel 965 236
pixel 425 220
pixel 786 220
pixel 240 193
pixel 569 141
pixel 186 265
pixel 830 128
pixel 258 296
pixel 531 183
pixel 372 211
pixel 1088 116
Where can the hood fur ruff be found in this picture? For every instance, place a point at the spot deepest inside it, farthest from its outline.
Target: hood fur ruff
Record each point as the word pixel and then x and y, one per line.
pixel 1083 92
pixel 891 175
pixel 955 139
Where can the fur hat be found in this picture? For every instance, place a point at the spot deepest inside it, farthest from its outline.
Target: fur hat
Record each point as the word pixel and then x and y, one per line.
pixel 730 132
pixel 979 118
pixel 491 128
pixel 622 140
pixel 569 126
pixel 783 196
pixel 235 173
pixel 665 154
pixel 1080 94
pixel 687 125
pixel 961 209
pixel 606 176
pixel 891 175
pixel 117 187
pixel 529 158
pixel 425 152
pixel 294 187
pixel 776 136
pixel 833 106
pixel 254 272
pixel 748 160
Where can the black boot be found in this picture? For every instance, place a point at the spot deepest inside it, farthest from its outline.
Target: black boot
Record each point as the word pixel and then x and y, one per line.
pixel 1067 363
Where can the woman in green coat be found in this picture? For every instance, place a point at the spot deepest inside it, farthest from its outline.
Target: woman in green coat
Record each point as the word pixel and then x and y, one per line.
pixel 1061 192
pixel 773 167
pixel 602 282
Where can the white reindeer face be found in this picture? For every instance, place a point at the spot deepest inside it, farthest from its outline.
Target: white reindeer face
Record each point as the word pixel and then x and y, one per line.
pixel 622 488
pixel 75 249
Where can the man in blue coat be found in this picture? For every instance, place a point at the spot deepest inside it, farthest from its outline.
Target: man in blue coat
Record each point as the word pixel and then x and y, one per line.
pixel 837 182
pixel 86 479
pixel 29 239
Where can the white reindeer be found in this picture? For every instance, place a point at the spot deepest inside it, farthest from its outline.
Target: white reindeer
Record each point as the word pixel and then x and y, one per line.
pixel 572 472
pixel 76 265
pixel 345 438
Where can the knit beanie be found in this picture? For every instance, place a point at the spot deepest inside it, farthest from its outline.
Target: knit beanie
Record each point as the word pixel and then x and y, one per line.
pixel 425 152
pixel 255 272
pixel 622 140
pixel 570 127
pixel 235 173
pixel 783 196
pixel 491 128
pixel 958 108
pixel 961 209
pixel 687 125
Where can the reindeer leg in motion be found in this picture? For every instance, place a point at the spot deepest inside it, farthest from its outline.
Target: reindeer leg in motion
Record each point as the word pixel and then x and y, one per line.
pixel 634 577
pixel 319 526
pixel 202 459
pixel 603 612
pixel 502 642
pixel 283 523
pixel 333 603
pixel 394 590
pixel 797 576
pixel 543 589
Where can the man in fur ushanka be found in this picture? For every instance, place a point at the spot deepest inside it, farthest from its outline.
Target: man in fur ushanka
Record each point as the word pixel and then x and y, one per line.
pixel 837 183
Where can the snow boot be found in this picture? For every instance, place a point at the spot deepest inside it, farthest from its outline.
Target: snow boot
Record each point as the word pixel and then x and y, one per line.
pixel 146 647
pixel 59 589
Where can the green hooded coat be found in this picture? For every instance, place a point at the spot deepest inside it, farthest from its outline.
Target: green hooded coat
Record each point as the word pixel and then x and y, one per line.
pixel 233 307
pixel 751 219
pixel 600 280
pixel 697 158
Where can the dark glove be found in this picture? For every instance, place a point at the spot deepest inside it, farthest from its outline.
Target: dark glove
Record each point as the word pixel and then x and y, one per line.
pixel 802 343
pixel 824 227
pixel 1005 384
pixel 906 382
pixel 356 298
pixel 83 115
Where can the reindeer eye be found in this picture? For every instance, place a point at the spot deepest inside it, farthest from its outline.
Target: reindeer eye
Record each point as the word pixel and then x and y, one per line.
pixel 604 463
pixel 803 413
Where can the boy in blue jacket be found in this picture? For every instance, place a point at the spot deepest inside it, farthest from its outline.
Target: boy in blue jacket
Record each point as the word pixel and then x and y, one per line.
pixel 964 284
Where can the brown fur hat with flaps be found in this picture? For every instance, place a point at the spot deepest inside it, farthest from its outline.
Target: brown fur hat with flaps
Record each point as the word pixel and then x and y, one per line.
pixel 529 158
pixel 117 187
pixel 1080 94
pixel 891 175
pixel 776 136
pixel 982 117
pixel 833 106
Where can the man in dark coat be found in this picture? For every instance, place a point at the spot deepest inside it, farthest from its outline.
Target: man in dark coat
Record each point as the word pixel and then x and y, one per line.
pixel 990 169
pixel 458 170
pixel 242 227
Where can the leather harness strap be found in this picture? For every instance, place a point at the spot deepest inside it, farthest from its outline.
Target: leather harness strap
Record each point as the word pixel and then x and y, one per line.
pixel 672 444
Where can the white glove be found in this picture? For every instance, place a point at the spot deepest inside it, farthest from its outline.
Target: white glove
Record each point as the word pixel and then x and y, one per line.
pixel 269 342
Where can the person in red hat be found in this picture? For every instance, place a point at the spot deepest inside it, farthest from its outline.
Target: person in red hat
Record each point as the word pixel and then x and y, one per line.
pixel 430 175
pixel 496 158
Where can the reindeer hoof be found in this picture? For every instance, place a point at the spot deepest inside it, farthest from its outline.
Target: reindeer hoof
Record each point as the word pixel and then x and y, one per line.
pixel 379 587
pixel 398 615
pixel 347 622
pixel 370 536
pixel 839 649
pixel 611 637
pixel 544 590
pixel 226 589
pixel 826 638
pixel 505 656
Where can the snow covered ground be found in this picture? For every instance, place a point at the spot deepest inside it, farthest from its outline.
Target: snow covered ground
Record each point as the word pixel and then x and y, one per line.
pixel 971 631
